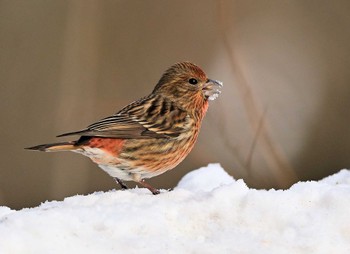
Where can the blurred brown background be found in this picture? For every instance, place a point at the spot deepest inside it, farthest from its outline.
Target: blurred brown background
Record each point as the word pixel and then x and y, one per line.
pixel 283 114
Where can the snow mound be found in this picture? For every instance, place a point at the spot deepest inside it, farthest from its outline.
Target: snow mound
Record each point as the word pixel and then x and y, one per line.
pixel 208 212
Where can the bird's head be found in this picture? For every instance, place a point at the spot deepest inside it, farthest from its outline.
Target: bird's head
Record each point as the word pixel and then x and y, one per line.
pixel 187 84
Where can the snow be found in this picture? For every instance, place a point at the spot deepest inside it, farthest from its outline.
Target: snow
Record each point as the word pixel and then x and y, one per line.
pixel 208 212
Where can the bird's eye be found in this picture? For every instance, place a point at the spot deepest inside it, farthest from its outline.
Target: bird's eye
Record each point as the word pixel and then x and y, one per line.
pixel 193 81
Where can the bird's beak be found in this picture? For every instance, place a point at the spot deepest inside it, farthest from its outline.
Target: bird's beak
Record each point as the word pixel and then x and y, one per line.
pixel 211 89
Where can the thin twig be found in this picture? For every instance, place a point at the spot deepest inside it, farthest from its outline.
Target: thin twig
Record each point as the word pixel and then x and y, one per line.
pixel 248 164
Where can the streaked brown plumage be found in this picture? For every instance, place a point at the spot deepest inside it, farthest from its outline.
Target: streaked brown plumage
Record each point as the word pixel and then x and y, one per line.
pixel 151 135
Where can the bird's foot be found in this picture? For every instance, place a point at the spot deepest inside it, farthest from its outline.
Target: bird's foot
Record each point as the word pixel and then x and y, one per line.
pixel 121 183
pixel 148 186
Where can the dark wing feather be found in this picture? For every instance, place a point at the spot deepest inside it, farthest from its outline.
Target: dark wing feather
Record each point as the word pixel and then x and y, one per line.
pixel 150 117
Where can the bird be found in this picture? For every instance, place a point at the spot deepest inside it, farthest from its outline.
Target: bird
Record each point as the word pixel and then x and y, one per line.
pixel 151 135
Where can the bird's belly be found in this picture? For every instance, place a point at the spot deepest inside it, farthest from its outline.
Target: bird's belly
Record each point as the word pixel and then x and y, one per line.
pixel 134 174
pixel 114 171
pixel 116 167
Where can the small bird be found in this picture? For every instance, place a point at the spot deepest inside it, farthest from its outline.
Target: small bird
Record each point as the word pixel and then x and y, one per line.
pixel 151 135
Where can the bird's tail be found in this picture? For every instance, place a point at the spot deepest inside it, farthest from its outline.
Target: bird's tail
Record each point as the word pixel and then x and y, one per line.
pixel 55 147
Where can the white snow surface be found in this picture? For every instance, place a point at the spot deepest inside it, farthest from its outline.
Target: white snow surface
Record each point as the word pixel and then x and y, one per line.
pixel 208 212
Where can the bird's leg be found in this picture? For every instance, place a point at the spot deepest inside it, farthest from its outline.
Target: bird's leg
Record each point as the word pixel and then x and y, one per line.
pixel 121 183
pixel 152 189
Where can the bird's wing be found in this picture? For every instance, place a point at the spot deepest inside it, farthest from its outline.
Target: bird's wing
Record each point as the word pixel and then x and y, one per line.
pixel 117 126
pixel 150 117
